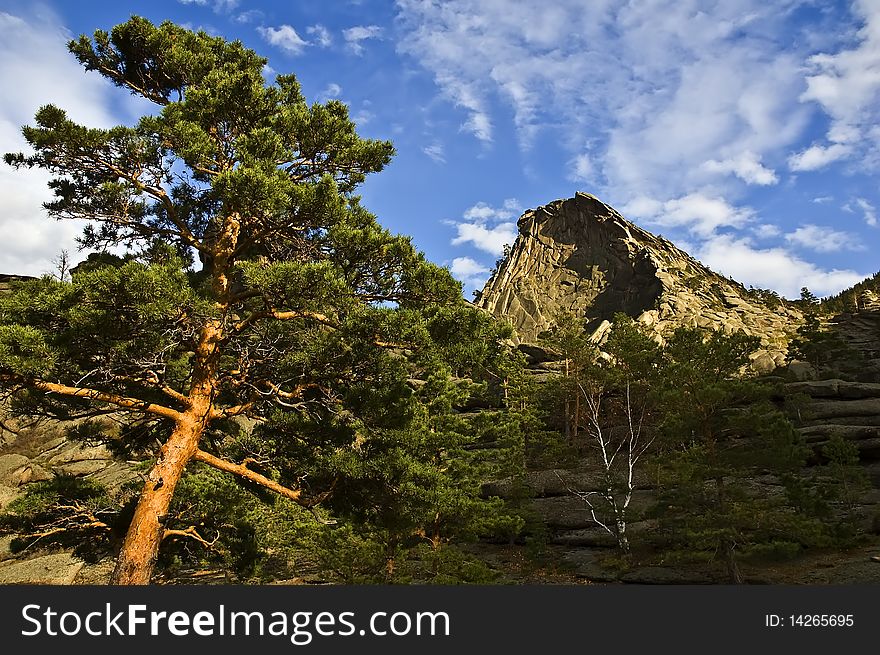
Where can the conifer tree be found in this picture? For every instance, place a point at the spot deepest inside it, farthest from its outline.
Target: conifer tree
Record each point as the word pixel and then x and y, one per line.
pixel 254 283
pixel 720 431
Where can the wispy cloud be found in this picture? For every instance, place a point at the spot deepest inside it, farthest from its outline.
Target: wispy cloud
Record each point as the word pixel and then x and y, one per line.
pixel 321 34
pixel 488 239
pixel 818 156
pixel 868 211
pixel 219 6
pixel 484 212
pixel 663 87
pixel 746 166
pixel 685 104
pixel 284 37
pixel 363 116
pixel 766 231
pixel 436 152
pixel 355 36
pixel 332 90
pixel 823 239
pixel 847 87
pixel 250 16
pixel 696 212
pixel 581 169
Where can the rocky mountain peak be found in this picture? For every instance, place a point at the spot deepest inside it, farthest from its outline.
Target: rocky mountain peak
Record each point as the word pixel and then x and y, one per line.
pixel 581 256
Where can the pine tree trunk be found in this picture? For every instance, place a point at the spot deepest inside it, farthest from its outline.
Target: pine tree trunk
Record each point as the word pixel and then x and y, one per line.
pixel 140 549
pixel 139 552
pixel 137 559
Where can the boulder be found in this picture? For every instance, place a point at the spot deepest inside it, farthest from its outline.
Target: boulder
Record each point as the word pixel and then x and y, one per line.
pixel 838 408
pixel 536 354
pixel 74 452
pixel 10 468
pixel 835 388
pixel 53 569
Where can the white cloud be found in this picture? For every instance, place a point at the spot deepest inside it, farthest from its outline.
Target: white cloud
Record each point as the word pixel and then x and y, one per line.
pixel 821 200
pixel 363 117
pixel 465 267
pixel 435 151
pixel 249 16
pixel 225 6
pixel 766 231
pixel 355 36
pixel 823 239
pixel 482 212
pixel 684 103
pixel 210 30
pixel 488 228
pixel 747 166
pixel 581 169
pixel 478 123
pixel 846 85
pixel 658 87
pixel 488 239
pixel 219 6
pixel 35 63
pixel 321 34
pixel 818 156
pixel 868 210
pixel 642 207
pixel 332 90
pixel 771 268
pixel 284 37
pixel 696 212
pixel 469 271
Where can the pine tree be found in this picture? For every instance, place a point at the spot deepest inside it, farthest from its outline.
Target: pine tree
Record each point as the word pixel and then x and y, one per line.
pixel 720 432
pixel 254 284
pixel 408 464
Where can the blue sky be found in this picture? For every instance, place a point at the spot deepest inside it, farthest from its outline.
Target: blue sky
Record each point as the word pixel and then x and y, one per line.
pixel 745 131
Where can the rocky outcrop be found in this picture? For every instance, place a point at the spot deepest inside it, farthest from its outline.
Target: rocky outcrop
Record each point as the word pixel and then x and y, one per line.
pixel 848 404
pixel 34 451
pixel 581 256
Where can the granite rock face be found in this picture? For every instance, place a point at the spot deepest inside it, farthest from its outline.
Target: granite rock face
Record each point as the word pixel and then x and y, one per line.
pixel 580 255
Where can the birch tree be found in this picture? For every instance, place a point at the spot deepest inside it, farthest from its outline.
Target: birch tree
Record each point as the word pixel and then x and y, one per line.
pixel 609 406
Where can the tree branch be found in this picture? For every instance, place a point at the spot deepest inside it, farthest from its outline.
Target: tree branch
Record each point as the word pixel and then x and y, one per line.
pixel 133 404
pixel 162 196
pixel 190 532
pixel 282 316
pixel 252 476
pixel 235 410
